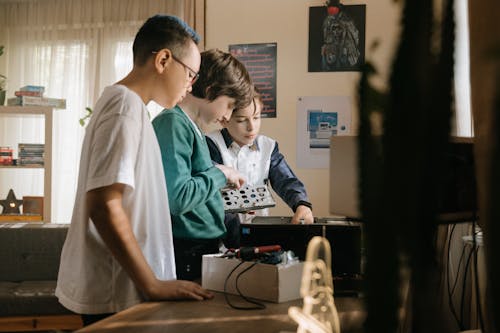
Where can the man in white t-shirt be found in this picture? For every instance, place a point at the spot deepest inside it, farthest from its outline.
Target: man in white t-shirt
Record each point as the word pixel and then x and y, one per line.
pixel 119 251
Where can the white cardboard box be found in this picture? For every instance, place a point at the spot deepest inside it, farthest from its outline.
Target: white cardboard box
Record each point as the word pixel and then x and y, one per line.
pixel 273 283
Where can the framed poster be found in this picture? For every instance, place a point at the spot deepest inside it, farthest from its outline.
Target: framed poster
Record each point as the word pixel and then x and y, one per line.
pixel 260 61
pixel 336 39
pixel 321 126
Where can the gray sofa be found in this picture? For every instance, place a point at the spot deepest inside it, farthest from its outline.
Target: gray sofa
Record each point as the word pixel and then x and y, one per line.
pixel 29 263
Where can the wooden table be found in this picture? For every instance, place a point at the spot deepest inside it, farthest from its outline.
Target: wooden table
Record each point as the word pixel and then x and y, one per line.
pixel 216 316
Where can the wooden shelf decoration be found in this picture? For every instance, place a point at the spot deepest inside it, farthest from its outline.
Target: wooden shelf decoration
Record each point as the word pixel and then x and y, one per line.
pixel 32 208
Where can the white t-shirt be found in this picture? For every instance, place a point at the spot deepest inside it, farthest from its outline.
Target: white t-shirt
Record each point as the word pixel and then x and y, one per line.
pixel 120 146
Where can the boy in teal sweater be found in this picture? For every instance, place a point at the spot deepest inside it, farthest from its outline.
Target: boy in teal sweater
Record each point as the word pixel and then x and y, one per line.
pixel 193 182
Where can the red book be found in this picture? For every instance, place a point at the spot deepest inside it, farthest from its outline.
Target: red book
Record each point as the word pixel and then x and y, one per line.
pixel 28 93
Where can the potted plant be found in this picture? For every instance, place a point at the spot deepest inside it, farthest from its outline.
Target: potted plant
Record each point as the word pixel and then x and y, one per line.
pixel 2 82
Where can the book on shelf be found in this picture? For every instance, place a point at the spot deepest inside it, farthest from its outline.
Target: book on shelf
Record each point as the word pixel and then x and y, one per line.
pixel 6 155
pixel 30 163
pixel 33 88
pixel 31 154
pixel 31 145
pixel 58 103
pixel 28 153
pixel 27 146
pixel 28 93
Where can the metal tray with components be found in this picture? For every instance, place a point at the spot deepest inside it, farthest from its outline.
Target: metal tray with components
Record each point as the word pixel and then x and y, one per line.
pixel 247 198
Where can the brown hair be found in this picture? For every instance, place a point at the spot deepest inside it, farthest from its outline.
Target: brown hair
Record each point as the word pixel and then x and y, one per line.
pixel 221 74
pixel 256 96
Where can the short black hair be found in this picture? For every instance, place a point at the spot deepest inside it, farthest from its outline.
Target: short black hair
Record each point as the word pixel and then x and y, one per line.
pixel 221 74
pixel 162 32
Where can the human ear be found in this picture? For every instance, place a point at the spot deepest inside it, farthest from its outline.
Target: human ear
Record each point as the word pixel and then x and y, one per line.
pixel 162 59
pixel 207 91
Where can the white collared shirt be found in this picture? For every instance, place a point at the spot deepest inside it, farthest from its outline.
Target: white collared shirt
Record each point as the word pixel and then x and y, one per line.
pixel 252 161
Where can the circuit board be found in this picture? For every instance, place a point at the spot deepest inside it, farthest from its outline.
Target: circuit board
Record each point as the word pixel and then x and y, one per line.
pixel 247 198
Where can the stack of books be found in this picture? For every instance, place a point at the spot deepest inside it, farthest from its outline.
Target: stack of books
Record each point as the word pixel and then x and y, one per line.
pixel 33 96
pixel 6 156
pixel 31 154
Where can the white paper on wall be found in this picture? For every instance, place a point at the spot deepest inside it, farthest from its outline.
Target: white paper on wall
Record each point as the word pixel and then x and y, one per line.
pixel 318 118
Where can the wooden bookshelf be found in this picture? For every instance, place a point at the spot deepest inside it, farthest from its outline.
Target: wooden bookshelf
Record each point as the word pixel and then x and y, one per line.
pixel 47 113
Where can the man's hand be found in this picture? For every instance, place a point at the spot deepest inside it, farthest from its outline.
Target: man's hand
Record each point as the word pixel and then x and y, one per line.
pixel 178 289
pixel 303 213
pixel 234 178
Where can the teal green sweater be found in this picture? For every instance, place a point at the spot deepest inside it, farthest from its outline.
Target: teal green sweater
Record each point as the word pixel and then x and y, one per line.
pixel 193 183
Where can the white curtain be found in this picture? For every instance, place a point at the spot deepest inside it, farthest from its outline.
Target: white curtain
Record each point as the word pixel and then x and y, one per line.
pixel 74 48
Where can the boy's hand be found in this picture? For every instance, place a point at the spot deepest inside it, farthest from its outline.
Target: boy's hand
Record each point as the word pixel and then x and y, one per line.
pixel 303 215
pixel 177 290
pixel 234 178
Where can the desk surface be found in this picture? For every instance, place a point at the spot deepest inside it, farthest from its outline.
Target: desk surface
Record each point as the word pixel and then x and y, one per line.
pixel 216 316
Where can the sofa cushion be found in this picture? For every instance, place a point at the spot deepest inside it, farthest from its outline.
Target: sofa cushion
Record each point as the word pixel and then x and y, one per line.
pixel 29 298
pixel 30 251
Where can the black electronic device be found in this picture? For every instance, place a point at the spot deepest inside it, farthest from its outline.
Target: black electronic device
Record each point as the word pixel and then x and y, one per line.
pixel 344 238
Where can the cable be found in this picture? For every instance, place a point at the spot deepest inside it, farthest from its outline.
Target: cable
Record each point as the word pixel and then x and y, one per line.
pixel 225 283
pixel 464 283
pixel 451 292
pixel 476 276
pixel 258 305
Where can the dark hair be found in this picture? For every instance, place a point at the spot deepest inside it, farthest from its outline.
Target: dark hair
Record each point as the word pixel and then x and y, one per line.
pixel 162 32
pixel 221 74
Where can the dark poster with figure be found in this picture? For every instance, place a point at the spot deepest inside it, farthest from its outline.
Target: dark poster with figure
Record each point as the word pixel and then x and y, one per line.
pixel 336 40
pixel 260 61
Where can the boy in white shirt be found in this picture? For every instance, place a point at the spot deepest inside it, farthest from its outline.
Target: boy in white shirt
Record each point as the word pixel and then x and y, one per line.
pixel 118 251
pixel 258 159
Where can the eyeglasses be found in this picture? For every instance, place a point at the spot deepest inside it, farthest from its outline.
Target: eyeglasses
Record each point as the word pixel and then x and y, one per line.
pixel 193 75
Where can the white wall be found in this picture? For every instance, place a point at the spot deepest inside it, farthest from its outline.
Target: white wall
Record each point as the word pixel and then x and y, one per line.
pixel 286 23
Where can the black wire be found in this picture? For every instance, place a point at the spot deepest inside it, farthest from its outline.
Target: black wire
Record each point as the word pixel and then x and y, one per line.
pixel 476 276
pixel 258 305
pixel 249 300
pixel 458 270
pixel 450 292
pixel 225 283
pixel 464 283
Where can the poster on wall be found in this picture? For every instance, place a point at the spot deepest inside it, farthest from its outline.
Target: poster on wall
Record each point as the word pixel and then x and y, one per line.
pixel 336 38
pixel 260 60
pixel 318 118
